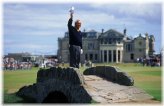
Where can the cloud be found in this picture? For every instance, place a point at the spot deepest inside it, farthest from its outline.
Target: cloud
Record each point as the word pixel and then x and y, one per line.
pixel 28 16
pixel 26 26
pixel 94 19
pixel 31 47
pixel 148 12
pixel 9 42
pixel 33 19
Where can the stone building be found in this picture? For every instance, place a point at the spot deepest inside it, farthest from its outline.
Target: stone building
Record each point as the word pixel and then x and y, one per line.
pixel 25 57
pixel 109 46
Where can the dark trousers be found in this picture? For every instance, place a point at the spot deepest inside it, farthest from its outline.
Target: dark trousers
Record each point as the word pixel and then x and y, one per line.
pixel 74 56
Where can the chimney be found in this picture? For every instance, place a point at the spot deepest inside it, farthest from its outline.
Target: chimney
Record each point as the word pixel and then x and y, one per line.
pixel 84 30
pixel 146 34
pixel 102 31
pixel 125 31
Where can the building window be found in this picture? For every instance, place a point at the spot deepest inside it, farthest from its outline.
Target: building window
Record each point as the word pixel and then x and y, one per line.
pixel 140 50
pixel 105 56
pixel 114 55
pixel 140 43
pixel 91 56
pixel 86 56
pixel 101 55
pixel 129 47
pixel 119 40
pixel 96 57
pixel 101 41
pixel 110 41
pixel 119 55
pixel 132 56
pixel 109 56
pixel 114 40
pixel 90 46
pixel 106 41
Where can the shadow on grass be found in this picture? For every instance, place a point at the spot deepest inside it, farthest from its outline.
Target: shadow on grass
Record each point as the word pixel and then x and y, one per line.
pixel 9 98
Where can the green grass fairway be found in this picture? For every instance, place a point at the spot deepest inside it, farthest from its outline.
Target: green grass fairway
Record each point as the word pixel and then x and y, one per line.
pixel 13 80
pixel 147 78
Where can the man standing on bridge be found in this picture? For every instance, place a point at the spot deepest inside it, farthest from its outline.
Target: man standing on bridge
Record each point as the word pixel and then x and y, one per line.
pixel 75 41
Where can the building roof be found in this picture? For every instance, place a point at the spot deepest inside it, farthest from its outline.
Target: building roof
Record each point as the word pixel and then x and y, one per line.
pixel 92 30
pixel 23 54
pixel 112 33
pixel 152 37
pixel 140 37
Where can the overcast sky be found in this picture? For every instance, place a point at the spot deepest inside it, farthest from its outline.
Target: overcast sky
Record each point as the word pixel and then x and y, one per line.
pixel 35 28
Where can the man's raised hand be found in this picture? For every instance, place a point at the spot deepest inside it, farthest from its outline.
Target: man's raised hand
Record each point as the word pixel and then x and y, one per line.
pixel 71 11
pixel 71 15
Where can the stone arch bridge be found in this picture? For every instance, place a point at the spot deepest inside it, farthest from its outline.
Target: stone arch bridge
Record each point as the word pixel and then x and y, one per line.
pixel 100 84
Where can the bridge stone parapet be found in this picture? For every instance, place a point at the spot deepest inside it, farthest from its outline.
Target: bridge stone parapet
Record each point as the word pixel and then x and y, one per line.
pixel 111 73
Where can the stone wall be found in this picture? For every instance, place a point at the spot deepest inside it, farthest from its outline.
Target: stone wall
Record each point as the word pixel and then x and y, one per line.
pixel 110 73
pixel 71 75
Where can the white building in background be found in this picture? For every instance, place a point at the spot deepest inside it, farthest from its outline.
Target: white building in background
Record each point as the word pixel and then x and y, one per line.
pixel 109 46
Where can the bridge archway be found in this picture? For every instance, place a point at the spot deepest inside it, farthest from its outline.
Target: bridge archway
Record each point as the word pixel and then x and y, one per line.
pixel 56 97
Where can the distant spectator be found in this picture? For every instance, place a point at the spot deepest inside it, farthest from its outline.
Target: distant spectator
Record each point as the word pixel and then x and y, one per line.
pixel 12 64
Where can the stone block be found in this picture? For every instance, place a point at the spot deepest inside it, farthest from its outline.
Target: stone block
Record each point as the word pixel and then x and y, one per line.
pixel 110 73
pixel 100 71
pixel 124 79
pixel 72 75
pixel 90 71
pixel 68 82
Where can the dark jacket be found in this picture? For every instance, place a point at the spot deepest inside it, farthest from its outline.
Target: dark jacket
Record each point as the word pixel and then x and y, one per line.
pixel 75 37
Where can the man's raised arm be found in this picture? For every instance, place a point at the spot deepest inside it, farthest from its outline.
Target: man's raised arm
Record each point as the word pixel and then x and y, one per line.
pixel 70 20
